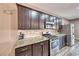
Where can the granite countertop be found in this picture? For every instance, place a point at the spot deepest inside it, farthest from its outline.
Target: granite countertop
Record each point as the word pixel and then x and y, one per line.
pixel 28 41
pixel 32 40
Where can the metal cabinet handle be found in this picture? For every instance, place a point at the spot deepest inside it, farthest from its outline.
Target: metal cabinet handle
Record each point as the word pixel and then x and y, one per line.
pixel 24 49
pixel 41 43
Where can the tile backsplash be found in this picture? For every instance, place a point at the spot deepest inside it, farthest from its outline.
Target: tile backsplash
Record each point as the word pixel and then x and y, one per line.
pixel 35 33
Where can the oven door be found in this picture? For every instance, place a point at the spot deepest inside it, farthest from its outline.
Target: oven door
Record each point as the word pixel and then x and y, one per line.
pixel 54 47
pixel 54 44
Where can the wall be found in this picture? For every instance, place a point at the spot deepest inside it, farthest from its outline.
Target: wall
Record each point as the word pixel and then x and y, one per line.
pixel 8 28
pixel 36 33
pixel 76 29
pixel 65 21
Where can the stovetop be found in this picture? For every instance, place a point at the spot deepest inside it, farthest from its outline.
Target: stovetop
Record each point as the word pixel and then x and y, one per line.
pixel 50 36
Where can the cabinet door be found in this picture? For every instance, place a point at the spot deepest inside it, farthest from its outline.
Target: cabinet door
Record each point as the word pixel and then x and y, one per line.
pixel 55 22
pixel 24 51
pixel 45 48
pixel 47 17
pixel 47 20
pixel 27 18
pixel 34 19
pixel 60 24
pixel 37 50
pixel 21 18
pixel 41 49
pixel 41 20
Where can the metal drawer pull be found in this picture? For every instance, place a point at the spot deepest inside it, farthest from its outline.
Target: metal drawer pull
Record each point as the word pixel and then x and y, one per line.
pixel 42 44
pixel 24 49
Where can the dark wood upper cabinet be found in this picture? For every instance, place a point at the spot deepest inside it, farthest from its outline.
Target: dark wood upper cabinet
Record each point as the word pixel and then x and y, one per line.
pixel 34 19
pixel 47 17
pixel 41 20
pixel 23 18
pixel 51 22
pixel 60 25
pixel 51 19
pixel 27 19
pixel 55 22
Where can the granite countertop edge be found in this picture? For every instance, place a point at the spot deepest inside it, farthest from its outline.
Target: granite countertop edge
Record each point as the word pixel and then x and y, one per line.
pixel 31 41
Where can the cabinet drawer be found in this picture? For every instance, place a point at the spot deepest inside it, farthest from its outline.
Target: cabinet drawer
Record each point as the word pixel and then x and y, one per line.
pixel 22 49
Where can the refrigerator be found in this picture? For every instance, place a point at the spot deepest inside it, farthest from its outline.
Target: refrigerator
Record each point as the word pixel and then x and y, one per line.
pixel 69 31
pixel 61 41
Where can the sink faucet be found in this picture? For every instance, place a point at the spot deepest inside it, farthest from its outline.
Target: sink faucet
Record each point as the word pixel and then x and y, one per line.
pixel 21 36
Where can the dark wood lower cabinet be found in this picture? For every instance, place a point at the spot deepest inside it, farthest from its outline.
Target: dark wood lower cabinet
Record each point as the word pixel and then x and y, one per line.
pixel 41 49
pixel 24 51
pixel 37 49
pixel 46 48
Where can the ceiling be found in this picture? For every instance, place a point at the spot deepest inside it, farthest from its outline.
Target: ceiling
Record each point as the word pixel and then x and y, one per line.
pixel 66 10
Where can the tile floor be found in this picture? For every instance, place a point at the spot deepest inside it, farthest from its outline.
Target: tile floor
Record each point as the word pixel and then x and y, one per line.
pixel 70 51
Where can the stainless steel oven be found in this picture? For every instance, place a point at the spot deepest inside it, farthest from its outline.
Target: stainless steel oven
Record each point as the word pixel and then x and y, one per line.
pixel 54 43
pixel 54 46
